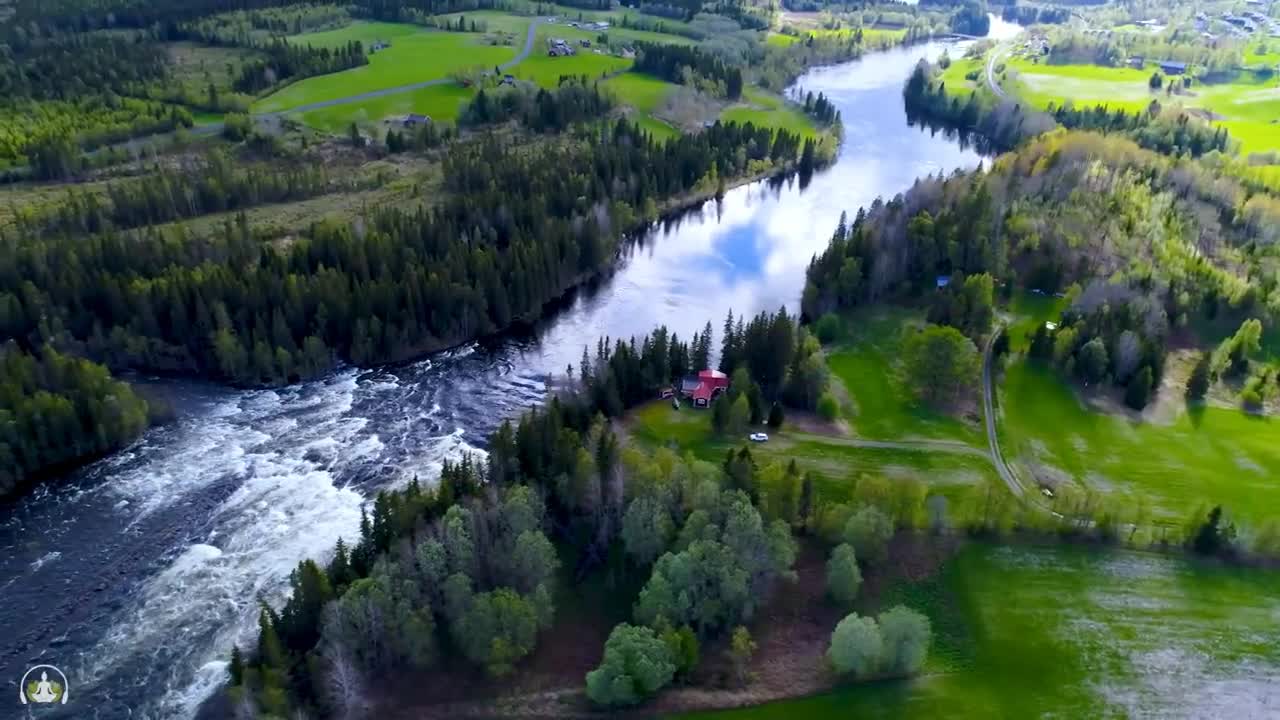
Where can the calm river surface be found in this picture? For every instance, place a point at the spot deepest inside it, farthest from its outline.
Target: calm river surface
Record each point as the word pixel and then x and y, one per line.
pixel 136 575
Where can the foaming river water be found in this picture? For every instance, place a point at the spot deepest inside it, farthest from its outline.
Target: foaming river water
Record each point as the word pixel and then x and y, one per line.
pixel 136 575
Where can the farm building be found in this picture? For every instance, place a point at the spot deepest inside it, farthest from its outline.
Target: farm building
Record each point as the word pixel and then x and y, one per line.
pixel 702 388
pixel 1172 68
pixel 414 120
pixel 559 48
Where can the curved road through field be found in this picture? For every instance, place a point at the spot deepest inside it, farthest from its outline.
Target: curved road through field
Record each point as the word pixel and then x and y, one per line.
pixel 996 53
pixel 988 410
pixel 529 38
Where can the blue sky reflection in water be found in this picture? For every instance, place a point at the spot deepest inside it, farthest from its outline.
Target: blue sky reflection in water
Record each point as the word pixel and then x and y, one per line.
pixel 136 575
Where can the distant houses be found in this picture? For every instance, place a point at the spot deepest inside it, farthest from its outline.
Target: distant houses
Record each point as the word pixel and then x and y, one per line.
pixel 379 45
pixel 413 120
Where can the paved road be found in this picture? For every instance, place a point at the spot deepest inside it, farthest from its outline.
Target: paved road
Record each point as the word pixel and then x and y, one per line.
pixel 988 411
pixel 530 36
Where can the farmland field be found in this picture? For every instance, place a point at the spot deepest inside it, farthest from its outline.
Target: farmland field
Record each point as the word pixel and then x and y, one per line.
pixel 1211 455
pixel 1248 106
pixel 415 55
pixel 440 102
pixel 1025 632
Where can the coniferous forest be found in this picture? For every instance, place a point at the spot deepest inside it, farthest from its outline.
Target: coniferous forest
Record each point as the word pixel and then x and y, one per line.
pixel 57 410
pixel 515 231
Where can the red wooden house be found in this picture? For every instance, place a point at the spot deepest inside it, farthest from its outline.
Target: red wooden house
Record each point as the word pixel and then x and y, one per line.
pixel 704 387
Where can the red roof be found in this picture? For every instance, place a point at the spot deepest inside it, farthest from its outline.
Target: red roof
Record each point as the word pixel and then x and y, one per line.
pixel 713 375
pixel 702 392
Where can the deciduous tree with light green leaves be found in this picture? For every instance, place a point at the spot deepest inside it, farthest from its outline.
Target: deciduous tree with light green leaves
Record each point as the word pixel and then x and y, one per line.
pixel 941 364
pixel 868 531
pixel 844 578
pixel 856 647
pixel 636 665
pixel 906 635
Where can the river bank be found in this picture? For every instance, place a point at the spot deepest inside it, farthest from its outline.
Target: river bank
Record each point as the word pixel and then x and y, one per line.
pixel 221 504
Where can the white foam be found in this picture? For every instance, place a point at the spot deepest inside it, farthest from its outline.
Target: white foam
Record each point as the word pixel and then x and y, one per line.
pixel 44 560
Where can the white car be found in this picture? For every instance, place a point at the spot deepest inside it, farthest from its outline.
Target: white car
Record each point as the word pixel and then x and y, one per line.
pixel 758 437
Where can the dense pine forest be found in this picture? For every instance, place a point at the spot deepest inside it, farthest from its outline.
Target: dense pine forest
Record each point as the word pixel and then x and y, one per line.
pixel 56 411
pixel 515 230
pixel 463 573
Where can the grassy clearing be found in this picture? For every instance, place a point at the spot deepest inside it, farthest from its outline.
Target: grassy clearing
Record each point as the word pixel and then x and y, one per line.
pixel 1209 455
pixel 1248 105
pixel 1069 633
pixel 954 75
pixel 643 92
pixel 494 21
pixel 836 460
pixel 440 102
pixel 414 56
pixel 865 361
pixel 765 109
pixel 196 67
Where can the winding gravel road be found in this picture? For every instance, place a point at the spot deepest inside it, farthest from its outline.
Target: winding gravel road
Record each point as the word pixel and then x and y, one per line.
pixel 989 412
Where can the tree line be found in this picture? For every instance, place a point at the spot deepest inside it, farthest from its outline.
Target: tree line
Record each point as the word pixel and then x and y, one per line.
pixel 573 101
pixel 1089 223
pixel 290 61
pixel 463 571
pixel 1002 126
pixel 681 64
pixel 514 230
pixel 167 195
pixel 57 410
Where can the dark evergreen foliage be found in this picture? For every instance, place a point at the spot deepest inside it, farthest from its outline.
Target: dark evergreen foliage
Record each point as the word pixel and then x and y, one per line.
pixel 669 61
pixel 515 230
pixel 56 410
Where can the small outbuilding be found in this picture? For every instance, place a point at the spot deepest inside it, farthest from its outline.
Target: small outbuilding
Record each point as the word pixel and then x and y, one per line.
pixel 1170 67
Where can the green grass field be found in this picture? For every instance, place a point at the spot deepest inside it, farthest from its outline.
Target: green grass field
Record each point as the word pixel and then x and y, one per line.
pixel 1211 455
pixel 1248 106
pixel 765 109
pixel 414 56
pixel 440 102
pixel 1073 634
pixel 836 460
pixel 865 361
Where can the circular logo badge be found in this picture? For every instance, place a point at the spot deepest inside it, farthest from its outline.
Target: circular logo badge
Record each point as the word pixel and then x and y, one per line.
pixel 43 685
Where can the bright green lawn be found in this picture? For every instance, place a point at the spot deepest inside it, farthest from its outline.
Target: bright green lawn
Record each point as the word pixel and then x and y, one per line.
pixel 413 57
pixel 780 40
pixel 494 21
pixel 1249 105
pixel 364 32
pixel 643 92
pixel 439 102
pixel 1073 634
pixel 1268 59
pixel 954 75
pixel 865 360
pixel 835 460
pixel 1211 455
pixel 763 109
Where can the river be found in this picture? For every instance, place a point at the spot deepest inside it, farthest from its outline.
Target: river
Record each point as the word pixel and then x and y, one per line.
pixel 135 575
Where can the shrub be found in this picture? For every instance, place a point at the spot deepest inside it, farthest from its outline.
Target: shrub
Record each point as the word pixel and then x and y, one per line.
pixel 828 408
pixel 827 328
pixel 906 635
pixel 856 646
pixel 869 531
pixel 636 665
pixel 844 579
